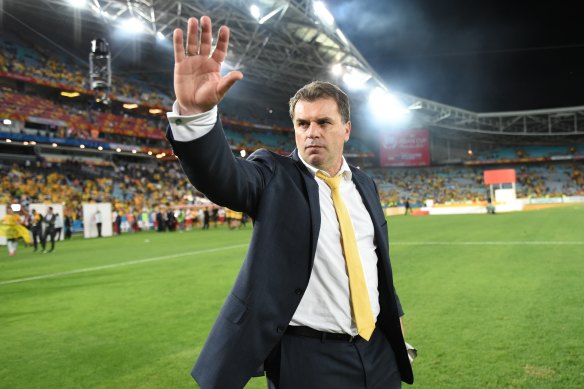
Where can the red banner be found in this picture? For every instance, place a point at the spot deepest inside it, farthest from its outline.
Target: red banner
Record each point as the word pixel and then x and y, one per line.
pixel 406 148
pixel 501 176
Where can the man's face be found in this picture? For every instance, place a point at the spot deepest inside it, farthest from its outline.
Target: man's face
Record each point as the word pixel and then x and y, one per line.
pixel 320 133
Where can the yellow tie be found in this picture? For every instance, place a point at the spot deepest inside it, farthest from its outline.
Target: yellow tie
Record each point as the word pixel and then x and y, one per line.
pixel 362 312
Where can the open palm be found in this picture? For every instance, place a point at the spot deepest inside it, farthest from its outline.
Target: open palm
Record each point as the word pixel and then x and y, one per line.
pixel 198 83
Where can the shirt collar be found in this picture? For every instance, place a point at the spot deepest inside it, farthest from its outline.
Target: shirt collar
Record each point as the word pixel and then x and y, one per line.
pixel 345 170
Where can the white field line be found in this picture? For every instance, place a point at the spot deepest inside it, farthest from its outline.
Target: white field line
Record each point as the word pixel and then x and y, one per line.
pixel 495 243
pixel 115 265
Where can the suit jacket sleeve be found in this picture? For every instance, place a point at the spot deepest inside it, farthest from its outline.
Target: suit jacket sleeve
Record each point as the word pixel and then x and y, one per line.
pixel 225 179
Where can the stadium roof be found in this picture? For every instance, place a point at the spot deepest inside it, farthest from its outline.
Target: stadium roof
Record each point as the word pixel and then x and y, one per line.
pixel 283 45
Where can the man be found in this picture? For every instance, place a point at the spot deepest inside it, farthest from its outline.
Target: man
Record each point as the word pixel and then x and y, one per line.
pixel 49 230
pixel 36 228
pixel 314 303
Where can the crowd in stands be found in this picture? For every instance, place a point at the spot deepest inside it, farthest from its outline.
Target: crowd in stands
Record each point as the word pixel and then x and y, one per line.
pixel 130 188
pixel 149 186
pixel 453 184
pixel 247 127
pixel 133 188
pixel 19 57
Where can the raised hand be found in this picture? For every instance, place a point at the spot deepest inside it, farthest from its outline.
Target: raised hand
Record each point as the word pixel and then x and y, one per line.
pixel 198 83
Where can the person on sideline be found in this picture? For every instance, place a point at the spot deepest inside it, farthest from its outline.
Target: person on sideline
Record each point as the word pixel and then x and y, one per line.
pixel 11 228
pixel 50 220
pixel 36 228
pixel 314 304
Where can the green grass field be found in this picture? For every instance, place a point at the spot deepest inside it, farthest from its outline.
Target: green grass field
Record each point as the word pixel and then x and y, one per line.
pixel 491 302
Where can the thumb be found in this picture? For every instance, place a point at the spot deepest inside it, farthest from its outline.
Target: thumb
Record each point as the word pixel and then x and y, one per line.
pixel 228 81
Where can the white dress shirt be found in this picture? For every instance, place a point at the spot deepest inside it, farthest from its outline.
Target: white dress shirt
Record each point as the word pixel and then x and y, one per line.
pixel 325 305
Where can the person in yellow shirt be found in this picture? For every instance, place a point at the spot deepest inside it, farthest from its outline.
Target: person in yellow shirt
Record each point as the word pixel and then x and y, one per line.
pixel 13 230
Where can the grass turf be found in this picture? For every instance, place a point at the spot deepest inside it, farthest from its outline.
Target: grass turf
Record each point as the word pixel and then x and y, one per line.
pixel 490 301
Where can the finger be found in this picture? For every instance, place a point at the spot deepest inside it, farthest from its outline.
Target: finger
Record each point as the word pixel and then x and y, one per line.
pixel 228 81
pixel 179 50
pixel 192 36
pixel 222 44
pixel 206 36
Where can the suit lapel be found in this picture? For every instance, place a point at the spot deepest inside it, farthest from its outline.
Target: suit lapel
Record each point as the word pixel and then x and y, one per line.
pixel 313 202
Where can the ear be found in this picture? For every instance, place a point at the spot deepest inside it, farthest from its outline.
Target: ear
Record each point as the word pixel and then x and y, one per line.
pixel 347 130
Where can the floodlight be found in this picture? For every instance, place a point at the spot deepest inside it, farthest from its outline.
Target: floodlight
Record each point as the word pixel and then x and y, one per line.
pixel 78 3
pixel 355 78
pixel 132 25
pixel 8 140
pixel 160 35
pixel 386 105
pixel 119 150
pixel 54 145
pixel 155 111
pixel 134 151
pixel 100 148
pixel 323 13
pixel 337 69
pixel 243 153
pixel 150 153
pixel 32 142
pixel 255 12
pixel 130 105
pixel 25 143
pixel 7 122
pixel 81 146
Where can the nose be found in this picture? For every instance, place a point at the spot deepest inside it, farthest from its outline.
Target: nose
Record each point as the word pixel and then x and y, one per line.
pixel 313 130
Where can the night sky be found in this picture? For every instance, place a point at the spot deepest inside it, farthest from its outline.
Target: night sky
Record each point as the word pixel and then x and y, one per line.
pixel 484 56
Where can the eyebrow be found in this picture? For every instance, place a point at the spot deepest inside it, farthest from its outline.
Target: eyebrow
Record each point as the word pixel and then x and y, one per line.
pixel 322 119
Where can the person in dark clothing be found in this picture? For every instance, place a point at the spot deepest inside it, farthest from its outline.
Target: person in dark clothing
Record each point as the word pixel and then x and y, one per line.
pixel 36 223
pixel 206 218
pixel 68 224
pixel 49 230
pixel 170 220
pixel 407 205
pixel 119 223
pixel 160 222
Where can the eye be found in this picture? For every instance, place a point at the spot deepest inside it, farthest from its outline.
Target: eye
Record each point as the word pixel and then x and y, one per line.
pixel 302 124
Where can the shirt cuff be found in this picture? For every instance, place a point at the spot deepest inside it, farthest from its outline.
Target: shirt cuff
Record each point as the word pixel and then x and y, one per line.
pixel 188 128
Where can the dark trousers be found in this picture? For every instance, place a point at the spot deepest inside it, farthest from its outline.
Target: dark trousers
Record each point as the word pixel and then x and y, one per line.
pixel 49 233
pixel 313 363
pixel 37 237
pixel 98 230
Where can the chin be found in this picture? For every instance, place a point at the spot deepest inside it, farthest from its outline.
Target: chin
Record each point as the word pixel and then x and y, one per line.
pixel 314 160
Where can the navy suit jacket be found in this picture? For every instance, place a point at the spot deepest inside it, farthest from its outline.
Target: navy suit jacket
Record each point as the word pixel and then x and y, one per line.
pixel 281 196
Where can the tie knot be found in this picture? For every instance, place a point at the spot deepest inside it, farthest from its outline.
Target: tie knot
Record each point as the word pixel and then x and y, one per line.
pixel 332 182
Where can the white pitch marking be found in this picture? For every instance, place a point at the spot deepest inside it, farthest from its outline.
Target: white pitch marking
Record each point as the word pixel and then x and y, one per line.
pixel 496 243
pixel 114 265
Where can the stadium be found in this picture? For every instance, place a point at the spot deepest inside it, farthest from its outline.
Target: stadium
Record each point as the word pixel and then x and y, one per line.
pixel 484 209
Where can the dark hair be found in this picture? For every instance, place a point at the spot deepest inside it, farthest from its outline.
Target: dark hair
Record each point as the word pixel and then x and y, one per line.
pixel 317 90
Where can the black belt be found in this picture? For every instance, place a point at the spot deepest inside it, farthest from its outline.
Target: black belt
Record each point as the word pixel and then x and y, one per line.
pixel 324 336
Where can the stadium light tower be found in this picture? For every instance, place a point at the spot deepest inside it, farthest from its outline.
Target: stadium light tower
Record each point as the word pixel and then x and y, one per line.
pixel 100 69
